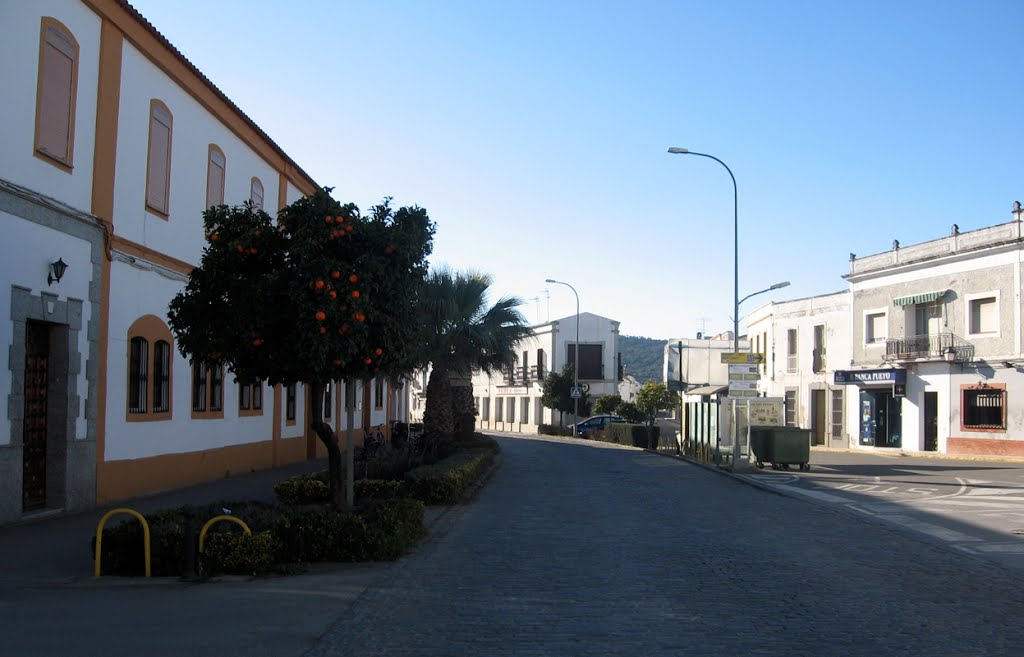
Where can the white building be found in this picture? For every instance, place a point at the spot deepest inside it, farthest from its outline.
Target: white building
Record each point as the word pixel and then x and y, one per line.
pixel 804 341
pixel 114 144
pixel 937 345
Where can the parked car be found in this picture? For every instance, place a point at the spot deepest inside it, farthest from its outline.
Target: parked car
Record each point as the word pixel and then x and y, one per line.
pixel 596 423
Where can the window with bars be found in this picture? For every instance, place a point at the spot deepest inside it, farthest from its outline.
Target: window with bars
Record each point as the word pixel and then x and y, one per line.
pixel 837 413
pixel 150 362
pixel 138 371
pixel 790 407
pixel 161 376
pixel 250 398
pixel 290 395
pixel 983 408
pixel 57 94
pixel 378 393
pixel 207 390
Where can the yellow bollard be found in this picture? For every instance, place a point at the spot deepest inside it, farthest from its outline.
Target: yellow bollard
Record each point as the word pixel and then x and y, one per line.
pixel 99 536
pixel 211 521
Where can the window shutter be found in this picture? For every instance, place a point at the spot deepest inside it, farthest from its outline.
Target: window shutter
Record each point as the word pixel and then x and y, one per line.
pixel 159 159
pixel 57 89
pixel 215 178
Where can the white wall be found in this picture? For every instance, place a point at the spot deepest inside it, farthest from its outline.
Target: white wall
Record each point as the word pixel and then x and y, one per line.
pixel 26 251
pixel 20 23
pixel 194 129
pixel 141 293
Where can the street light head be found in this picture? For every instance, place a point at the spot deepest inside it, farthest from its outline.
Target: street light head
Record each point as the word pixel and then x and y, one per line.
pixel 779 285
pixel 550 280
pixel 676 150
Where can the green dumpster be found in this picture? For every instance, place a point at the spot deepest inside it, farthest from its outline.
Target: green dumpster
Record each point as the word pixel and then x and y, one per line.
pixel 781 446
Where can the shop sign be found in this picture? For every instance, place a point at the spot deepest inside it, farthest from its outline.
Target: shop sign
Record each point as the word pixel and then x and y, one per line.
pixel 512 390
pixel 863 377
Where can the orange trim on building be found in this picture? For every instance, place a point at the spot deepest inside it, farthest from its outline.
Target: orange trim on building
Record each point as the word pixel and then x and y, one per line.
pixel 120 479
pixel 108 100
pixel 148 40
pixel 155 257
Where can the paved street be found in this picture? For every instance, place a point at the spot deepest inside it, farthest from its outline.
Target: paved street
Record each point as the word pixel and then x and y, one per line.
pixel 590 549
pixel 976 507
pixel 573 548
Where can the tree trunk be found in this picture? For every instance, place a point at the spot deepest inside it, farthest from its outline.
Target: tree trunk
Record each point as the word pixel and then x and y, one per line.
pixel 463 412
pixel 329 439
pixel 438 423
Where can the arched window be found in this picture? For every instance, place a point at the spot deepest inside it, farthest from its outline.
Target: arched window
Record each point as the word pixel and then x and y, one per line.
pixel 158 159
pixel 256 193
pixel 57 90
pixel 150 365
pixel 215 168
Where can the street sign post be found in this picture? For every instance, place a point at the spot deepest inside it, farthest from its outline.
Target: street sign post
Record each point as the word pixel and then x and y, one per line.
pixel 742 359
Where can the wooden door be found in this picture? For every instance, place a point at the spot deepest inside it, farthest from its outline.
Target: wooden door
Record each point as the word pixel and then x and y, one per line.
pixel 37 362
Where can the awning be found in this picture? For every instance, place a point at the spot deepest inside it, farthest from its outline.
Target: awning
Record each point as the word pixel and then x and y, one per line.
pixel 915 299
pixel 706 390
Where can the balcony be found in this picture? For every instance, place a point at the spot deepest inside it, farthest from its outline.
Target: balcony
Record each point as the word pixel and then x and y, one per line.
pixel 936 346
pixel 523 375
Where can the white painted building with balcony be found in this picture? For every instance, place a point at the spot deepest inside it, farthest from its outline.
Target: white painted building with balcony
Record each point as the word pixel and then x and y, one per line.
pixel 937 345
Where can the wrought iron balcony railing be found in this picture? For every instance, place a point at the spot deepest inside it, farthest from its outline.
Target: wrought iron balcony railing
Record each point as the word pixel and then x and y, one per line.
pixel 520 375
pixel 936 346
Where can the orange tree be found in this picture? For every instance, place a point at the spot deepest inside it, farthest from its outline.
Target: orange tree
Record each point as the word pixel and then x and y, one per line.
pixel 324 293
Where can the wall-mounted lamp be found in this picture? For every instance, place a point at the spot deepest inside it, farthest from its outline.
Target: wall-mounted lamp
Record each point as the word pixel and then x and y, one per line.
pixel 950 354
pixel 57 270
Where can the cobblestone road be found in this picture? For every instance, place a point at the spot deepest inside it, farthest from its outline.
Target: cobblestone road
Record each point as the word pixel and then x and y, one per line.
pixel 585 549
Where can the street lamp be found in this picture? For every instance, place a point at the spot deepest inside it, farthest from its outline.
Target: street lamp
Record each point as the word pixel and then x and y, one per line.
pixel 767 289
pixel 736 245
pixel 576 365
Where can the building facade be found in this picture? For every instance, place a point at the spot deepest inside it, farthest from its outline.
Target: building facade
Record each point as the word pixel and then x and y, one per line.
pixel 114 145
pixel 944 317
pixel 804 341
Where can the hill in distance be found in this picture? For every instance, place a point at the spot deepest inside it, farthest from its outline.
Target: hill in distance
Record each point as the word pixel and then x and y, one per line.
pixel 642 358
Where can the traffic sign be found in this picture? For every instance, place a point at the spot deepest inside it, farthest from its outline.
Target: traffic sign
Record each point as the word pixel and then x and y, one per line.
pixel 576 392
pixel 752 359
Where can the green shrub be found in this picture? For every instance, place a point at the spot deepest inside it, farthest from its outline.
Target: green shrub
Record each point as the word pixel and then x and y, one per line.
pixel 636 435
pixel 238 553
pixel 304 489
pixel 446 481
pixel 393 527
pixel 553 430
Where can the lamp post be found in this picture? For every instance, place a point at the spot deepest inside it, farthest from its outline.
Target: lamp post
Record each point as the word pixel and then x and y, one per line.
pixel 576 365
pixel 767 289
pixel 735 242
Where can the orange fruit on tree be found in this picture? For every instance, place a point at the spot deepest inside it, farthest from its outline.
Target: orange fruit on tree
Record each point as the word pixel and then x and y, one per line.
pixel 241 249
pixel 355 294
pixel 320 285
pixel 337 361
pixel 214 237
pixel 321 315
pixel 335 274
pixel 378 351
pixel 329 219
pixel 323 329
pixel 252 250
pixel 367 361
pixel 353 279
pixel 334 295
pixel 257 342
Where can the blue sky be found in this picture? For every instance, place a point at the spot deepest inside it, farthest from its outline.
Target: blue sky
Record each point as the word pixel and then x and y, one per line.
pixel 535 133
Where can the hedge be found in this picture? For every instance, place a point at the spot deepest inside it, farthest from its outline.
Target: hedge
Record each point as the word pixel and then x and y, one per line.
pixel 553 430
pixel 636 435
pixel 447 481
pixel 380 530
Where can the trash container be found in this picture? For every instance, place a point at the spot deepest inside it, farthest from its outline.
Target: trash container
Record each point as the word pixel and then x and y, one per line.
pixel 781 446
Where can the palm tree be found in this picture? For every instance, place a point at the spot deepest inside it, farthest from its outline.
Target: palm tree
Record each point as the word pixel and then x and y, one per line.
pixel 462 334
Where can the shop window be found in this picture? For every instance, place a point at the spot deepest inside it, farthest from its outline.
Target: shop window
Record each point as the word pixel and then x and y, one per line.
pixel 983 408
pixel 56 94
